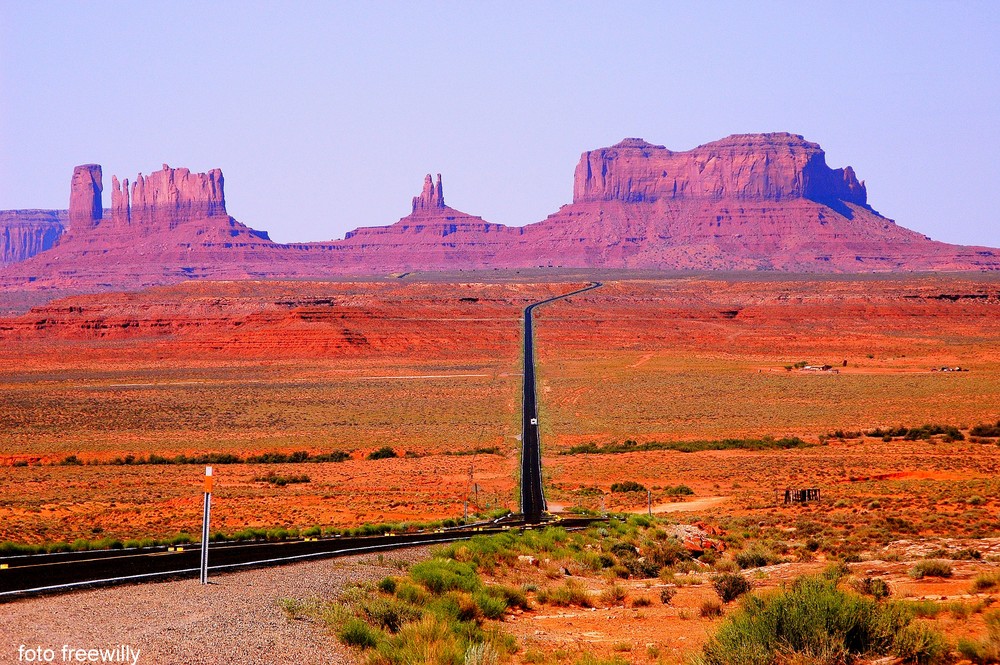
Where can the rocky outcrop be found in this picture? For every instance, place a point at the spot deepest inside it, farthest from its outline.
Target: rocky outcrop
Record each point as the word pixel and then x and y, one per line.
pixel 760 167
pixel 24 233
pixel 431 199
pixel 85 206
pixel 162 228
pixel 168 198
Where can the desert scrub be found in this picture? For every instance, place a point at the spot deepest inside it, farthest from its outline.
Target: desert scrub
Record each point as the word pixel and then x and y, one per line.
pixel 986 581
pixel 440 575
pixel 627 486
pixel 280 481
pixel 875 587
pixel 755 556
pixel 568 593
pixel 986 650
pixel 614 594
pixel 710 608
pixel 487 552
pixel 814 619
pixel 438 612
pixel 930 568
pixel 766 443
pixel 385 452
pixel 731 586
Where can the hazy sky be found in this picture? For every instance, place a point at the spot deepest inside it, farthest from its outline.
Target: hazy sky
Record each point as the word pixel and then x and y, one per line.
pixel 326 116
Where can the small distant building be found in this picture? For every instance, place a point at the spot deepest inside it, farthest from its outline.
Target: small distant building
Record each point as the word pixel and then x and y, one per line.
pixel 799 495
pixel 820 368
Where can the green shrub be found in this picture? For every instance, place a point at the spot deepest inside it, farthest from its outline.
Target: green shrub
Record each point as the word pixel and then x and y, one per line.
pixel 385 452
pixel 875 587
pixel 627 486
pixel 570 592
pixel 976 651
pixel 731 586
pixel 440 575
pixel 411 593
pixel 986 651
pixel 389 614
pixel 755 556
pixel 930 568
pixel 512 596
pixel 490 606
pixel 387 585
pixel 614 595
pixel 986 581
pixel 665 552
pixel 356 633
pixel 921 645
pixel 815 619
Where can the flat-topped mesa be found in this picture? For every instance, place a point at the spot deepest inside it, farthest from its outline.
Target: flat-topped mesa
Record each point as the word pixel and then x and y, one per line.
pixel 431 198
pixel 85 206
pixel 771 167
pixel 24 233
pixel 168 198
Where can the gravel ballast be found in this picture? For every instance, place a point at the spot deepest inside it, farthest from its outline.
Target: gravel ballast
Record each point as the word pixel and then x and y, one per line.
pixel 237 618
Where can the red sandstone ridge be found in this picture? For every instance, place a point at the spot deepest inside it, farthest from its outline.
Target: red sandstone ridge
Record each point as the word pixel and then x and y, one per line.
pixel 168 198
pixel 746 202
pixel 750 166
pixel 24 233
pixel 168 226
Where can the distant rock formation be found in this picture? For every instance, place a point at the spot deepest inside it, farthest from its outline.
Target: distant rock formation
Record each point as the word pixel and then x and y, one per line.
pixel 761 167
pixel 431 198
pixel 85 207
pixel 167 199
pixel 746 202
pixel 162 228
pixel 24 233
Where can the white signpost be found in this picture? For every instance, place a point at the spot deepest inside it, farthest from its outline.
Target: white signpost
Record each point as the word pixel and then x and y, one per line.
pixel 204 525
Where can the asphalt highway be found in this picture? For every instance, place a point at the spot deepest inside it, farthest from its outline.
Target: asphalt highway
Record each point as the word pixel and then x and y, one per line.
pixel 532 497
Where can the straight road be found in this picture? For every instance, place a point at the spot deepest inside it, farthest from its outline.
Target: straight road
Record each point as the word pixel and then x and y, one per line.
pixel 532 496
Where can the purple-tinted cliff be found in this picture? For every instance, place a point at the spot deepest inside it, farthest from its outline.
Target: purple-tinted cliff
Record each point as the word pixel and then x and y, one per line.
pixel 762 167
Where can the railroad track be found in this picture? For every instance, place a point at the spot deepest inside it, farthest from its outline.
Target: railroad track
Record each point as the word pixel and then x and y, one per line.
pixel 67 571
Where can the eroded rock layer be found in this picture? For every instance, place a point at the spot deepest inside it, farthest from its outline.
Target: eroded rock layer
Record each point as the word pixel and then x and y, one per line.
pixel 24 233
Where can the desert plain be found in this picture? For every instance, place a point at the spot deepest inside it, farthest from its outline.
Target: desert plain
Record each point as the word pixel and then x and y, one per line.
pixel 429 366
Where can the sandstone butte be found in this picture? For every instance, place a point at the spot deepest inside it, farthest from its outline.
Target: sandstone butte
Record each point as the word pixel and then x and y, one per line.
pixel 746 202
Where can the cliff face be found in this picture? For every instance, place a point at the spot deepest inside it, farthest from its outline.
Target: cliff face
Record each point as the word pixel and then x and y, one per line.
pixel 85 207
pixel 167 198
pixel 24 233
pixel 761 167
